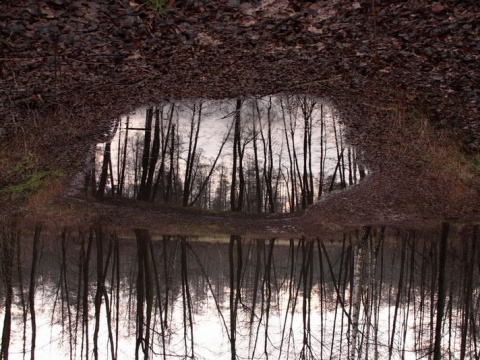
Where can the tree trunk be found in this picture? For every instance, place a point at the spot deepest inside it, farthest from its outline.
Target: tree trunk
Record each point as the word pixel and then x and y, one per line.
pixel 104 174
pixel 359 253
pixel 36 255
pixel 191 155
pixel 399 292
pixel 142 192
pixel 437 353
pixel 169 191
pixel 258 184
pixel 8 240
pixel 236 140
pixel 467 293
pixel 99 290
pixel 153 156
pixel 160 181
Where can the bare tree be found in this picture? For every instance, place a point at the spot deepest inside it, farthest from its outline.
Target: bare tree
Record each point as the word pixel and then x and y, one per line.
pixel 437 353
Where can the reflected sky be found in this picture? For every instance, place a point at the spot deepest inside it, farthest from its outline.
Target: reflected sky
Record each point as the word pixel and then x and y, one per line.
pixel 238 298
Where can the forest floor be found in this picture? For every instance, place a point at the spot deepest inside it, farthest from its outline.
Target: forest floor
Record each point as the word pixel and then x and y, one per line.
pixel 404 77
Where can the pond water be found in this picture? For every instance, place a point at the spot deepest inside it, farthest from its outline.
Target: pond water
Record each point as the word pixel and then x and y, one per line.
pixel 97 294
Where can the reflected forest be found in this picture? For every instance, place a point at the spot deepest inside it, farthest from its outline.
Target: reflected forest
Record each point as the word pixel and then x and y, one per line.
pixel 96 290
pixel 374 294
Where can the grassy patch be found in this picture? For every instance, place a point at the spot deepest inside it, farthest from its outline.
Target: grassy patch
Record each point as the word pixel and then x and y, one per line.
pixel 158 6
pixel 32 184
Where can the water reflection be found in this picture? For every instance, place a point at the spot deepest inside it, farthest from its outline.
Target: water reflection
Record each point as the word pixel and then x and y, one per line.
pixel 96 294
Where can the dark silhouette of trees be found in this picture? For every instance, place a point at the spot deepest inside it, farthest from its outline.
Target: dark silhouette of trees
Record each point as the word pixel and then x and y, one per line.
pixel 437 352
pixel 165 159
pixel 301 298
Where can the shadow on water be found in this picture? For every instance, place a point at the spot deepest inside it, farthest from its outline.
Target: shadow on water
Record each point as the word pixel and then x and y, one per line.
pixel 380 293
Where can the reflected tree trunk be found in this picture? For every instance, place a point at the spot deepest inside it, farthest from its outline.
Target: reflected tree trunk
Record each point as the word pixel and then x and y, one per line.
pixel 159 299
pixel 186 300
pixel 85 302
pixel 65 292
pixel 468 290
pixel 9 235
pixel 36 256
pixel 234 289
pixel 268 283
pixel 306 280
pixel 108 304
pixel 359 253
pixel 437 353
pixel 21 290
pixel 99 290
pixel 144 293
pixel 399 293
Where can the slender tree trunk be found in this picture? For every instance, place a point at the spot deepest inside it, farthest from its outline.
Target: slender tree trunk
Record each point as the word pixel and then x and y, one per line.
pixel 108 304
pixel 268 156
pixel 36 255
pixel 169 191
pixel 90 182
pixel 159 298
pixel 437 353
pixel 350 168
pixel 104 174
pixel 154 154
pixel 7 254
pixel 144 293
pixel 186 299
pixel 212 169
pixel 66 294
pixel 191 155
pixel 359 251
pixel 86 275
pixel 323 149
pixel 258 184
pixel 399 293
pixel 236 140
pixel 23 305
pixel 99 290
pixel 160 181
pixel 268 281
pixel 142 192
pixel 468 290
pixel 122 160
pixel 339 153
pixel 292 196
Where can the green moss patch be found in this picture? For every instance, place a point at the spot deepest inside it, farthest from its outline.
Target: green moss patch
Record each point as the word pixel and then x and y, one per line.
pixel 31 185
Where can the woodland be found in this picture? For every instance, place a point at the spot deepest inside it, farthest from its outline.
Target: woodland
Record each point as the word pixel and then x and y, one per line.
pixel 345 134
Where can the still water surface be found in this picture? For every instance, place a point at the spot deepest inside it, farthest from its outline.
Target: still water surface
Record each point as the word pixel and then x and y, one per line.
pixel 101 296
